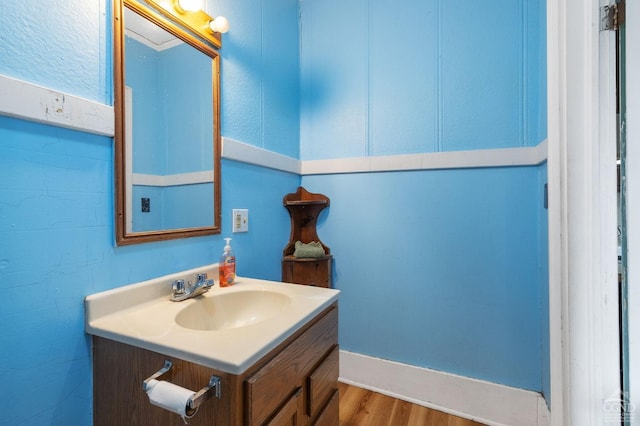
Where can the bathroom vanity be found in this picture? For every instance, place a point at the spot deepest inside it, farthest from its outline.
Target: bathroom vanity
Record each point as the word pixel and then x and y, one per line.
pixel 277 361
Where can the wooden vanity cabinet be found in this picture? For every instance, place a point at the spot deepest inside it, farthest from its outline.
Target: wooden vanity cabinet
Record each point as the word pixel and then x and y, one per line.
pixel 118 399
pixel 294 384
pixel 295 377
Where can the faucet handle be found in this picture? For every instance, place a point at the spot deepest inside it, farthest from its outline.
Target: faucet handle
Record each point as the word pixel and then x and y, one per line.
pixel 178 287
pixel 204 282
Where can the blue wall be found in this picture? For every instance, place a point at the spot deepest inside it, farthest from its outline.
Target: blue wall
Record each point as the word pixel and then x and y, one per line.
pixel 63 45
pixel 56 199
pixel 446 268
pixel 260 74
pixel 388 77
pixel 439 269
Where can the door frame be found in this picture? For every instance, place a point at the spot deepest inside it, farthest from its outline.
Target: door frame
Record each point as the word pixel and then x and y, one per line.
pixel 583 303
pixel 633 200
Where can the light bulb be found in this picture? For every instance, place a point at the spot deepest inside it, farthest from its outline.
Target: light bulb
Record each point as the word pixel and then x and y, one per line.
pixel 191 5
pixel 219 25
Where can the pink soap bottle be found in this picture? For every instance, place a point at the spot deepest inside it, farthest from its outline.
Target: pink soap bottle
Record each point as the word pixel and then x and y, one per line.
pixel 227 266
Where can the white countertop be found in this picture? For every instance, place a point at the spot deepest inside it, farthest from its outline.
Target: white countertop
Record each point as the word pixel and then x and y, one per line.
pixel 142 315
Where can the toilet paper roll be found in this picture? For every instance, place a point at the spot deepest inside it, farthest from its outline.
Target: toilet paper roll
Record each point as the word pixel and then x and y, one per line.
pixel 169 396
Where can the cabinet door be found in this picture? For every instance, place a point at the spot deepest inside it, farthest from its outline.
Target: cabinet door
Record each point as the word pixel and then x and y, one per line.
pixel 323 382
pixel 272 384
pixel 330 414
pixel 291 413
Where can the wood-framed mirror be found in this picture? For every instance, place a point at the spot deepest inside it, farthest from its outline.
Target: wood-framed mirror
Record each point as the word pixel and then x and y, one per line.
pixel 167 127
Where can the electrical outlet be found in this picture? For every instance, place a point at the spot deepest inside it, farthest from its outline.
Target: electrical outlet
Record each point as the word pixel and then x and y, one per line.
pixel 240 220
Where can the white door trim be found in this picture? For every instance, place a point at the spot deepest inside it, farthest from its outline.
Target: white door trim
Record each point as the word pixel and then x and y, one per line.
pixel 633 199
pixel 582 214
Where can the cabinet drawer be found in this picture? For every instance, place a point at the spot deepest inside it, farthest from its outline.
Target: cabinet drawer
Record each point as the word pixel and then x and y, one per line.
pixel 331 413
pixel 289 415
pixel 270 386
pixel 323 381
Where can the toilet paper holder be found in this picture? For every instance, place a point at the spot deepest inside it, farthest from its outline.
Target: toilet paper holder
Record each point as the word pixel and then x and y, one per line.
pixel 201 396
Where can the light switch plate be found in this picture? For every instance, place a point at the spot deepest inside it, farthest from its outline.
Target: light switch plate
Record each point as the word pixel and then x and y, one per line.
pixel 240 220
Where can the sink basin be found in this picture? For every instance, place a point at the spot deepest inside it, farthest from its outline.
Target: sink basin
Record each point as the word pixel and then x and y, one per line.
pixel 226 329
pixel 232 310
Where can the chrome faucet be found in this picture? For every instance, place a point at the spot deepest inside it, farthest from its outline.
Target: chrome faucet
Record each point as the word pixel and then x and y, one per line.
pixel 182 292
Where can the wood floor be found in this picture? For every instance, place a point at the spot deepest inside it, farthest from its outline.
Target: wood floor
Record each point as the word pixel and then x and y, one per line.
pixel 361 407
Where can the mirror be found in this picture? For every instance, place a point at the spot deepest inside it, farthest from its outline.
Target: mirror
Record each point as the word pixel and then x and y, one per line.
pixel 167 139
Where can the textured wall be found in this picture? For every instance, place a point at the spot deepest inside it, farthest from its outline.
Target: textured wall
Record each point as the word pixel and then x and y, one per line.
pixel 261 79
pixel 387 77
pixel 439 269
pixel 63 45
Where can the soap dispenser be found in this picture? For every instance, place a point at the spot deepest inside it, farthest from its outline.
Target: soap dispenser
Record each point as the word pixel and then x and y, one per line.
pixel 227 266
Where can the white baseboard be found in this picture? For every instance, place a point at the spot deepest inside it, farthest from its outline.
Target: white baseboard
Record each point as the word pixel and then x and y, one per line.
pixel 485 402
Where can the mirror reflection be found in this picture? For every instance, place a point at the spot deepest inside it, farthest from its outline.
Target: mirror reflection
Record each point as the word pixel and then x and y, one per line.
pixel 169 144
